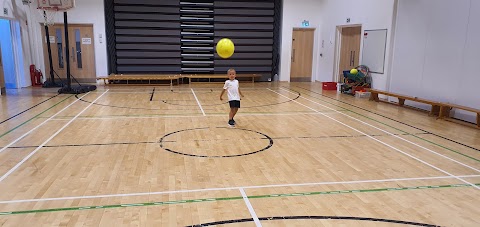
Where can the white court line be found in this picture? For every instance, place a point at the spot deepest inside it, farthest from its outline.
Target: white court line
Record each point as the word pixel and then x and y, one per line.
pixel 187 116
pixel 48 140
pixel 386 144
pixel 408 141
pixel 38 126
pixel 232 188
pixel 181 90
pixel 199 105
pixel 250 208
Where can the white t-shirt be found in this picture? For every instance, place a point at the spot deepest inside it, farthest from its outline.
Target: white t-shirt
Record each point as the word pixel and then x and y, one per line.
pixel 232 89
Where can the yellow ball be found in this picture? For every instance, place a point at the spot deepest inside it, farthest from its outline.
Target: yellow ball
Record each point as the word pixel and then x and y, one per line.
pixel 225 48
pixel 353 71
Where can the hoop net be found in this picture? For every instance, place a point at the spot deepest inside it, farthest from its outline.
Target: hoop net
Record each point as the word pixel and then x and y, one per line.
pixel 49 17
pixel 52 7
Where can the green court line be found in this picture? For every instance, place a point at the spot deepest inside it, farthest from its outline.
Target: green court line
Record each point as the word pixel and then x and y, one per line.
pixel 418 137
pixel 235 198
pixel 36 116
pixel 431 142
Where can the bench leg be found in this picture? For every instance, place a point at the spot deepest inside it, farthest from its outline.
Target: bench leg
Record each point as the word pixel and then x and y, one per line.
pixel 444 112
pixel 435 110
pixel 478 120
pixel 401 102
pixel 374 97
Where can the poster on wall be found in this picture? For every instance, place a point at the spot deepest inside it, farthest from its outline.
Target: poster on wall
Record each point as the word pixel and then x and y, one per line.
pixel 87 41
pixel 52 39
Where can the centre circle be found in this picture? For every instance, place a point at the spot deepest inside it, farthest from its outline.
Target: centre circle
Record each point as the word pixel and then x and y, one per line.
pixel 216 142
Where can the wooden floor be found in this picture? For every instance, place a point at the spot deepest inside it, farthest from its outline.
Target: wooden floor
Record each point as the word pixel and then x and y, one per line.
pixel 299 156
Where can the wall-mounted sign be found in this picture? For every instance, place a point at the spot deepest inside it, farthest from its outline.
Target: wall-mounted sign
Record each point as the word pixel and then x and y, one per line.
pixel 87 41
pixel 305 23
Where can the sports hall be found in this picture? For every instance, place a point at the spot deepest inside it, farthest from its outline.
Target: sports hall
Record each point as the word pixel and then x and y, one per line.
pixel 354 113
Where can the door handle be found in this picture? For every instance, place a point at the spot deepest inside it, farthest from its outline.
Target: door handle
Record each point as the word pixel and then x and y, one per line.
pixel 353 59
pixel 350 64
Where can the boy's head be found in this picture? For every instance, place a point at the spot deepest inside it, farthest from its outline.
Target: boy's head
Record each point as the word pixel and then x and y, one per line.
pixel 231 74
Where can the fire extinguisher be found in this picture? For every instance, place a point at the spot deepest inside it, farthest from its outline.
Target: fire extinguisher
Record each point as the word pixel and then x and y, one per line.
pixel 32 74
pixel 38 77
pixel 35 76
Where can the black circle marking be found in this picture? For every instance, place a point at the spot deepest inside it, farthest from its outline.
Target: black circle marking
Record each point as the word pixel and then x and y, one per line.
pixel 219 156
pixel 272 104
pixel 196 104
pixel 165 101
pixel 313 218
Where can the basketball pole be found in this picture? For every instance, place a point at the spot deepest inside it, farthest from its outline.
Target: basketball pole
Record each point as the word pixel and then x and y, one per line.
pixel 49 48
pixel 50 83
pixel 68 88
pixel 67 51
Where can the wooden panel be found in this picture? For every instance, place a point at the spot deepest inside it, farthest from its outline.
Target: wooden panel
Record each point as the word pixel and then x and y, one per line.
pixel 87 71
pixel 350 49
pixel 110 165
pixel 87 52
pixel 302 55
pixel 356 34
pixel 54 45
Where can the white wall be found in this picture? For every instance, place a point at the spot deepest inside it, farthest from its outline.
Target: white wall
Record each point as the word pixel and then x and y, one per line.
pixel 371 14
pixel 9 5
pixel 30 18
pixel 325 16
pixel 436 51
pixel 85 12
pixel 294 12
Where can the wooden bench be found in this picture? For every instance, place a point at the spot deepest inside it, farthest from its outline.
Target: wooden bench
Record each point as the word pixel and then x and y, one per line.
pixel 445 113
pixel 140 77
pixel 218 76
pixel 435 111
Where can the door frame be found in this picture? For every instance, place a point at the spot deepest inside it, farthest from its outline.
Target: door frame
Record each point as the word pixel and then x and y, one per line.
pixel 338 48
pixel 313 52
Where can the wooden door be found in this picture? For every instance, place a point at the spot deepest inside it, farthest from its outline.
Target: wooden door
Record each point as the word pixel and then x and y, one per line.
pixel 81 56
pixel 57 45
pixel 302 54
pixel 350 49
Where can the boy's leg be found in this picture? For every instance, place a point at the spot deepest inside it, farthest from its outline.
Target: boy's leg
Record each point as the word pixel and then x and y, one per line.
pixel 232 113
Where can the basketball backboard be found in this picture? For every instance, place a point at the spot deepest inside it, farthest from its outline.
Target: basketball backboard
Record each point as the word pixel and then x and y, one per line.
pixel 57 5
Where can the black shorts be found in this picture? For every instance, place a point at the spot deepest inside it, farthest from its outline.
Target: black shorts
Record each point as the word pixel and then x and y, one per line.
pixel 234 104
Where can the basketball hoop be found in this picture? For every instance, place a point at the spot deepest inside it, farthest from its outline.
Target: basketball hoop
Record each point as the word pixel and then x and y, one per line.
pixel 51 7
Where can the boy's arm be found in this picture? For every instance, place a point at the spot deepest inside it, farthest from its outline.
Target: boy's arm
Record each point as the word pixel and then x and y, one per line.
pixel 223 91
pixel 239 91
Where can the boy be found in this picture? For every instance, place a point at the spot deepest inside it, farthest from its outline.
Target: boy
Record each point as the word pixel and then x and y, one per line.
pixel 234 93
